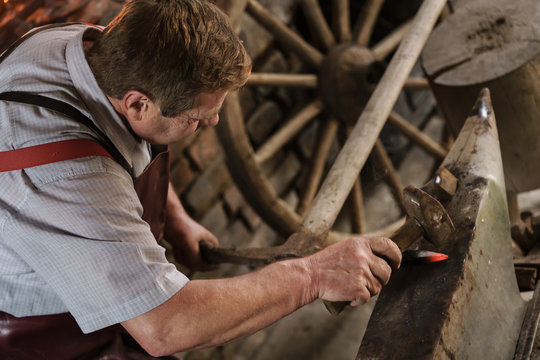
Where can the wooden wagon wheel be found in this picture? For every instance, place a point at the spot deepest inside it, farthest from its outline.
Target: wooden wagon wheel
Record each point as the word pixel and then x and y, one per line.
pixel 342 69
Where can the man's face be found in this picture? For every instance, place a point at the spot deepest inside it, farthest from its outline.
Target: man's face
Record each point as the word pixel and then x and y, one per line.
pixel 166 130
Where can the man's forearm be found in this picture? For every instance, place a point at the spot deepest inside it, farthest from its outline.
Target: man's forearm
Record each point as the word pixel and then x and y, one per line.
pixel 173 205
pixel 184 234
pixel 211 312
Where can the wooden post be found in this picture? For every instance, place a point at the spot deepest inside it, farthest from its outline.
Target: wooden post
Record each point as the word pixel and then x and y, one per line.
pixel 494 44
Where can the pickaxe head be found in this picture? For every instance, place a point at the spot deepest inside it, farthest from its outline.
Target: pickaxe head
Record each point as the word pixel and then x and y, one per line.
pixel 429 213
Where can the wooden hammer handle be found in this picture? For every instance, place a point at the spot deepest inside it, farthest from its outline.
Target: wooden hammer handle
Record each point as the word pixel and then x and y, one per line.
pixel 403 237
pixel 407 233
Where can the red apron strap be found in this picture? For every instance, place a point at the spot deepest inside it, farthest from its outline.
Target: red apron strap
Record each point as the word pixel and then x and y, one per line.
pixel 71 112
pixel 49 153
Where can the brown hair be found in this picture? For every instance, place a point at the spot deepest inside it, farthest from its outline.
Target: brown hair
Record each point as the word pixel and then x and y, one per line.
pixel 171 50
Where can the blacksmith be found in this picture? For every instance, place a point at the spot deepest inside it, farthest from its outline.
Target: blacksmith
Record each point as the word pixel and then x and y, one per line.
pixel 85 117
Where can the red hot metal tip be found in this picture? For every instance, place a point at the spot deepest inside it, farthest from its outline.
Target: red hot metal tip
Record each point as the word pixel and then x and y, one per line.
pixel 437 257
pixel 415 257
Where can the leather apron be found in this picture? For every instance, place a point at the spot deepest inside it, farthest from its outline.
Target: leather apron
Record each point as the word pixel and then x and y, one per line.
pixel 58 337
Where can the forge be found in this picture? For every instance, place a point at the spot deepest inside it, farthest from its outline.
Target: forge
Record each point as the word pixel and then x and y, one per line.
pixel 468 307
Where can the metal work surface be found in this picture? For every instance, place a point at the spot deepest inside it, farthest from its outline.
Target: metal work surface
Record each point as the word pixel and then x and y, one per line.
pixel 469 306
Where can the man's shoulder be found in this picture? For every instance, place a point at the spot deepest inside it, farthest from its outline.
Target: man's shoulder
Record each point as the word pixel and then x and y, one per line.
pixel 43 43
pixel 55 32
pixel 92 167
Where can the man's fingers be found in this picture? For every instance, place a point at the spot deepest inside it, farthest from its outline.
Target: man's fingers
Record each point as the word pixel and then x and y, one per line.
pixel 381 270
pixel 355 269
pixel 212 239
pixel 387 249
pixel 363 297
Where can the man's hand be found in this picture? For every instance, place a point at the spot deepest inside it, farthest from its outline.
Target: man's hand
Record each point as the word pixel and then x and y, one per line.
pixel 185 238
pixel 353 270
pixel 234 307
pixel 185 234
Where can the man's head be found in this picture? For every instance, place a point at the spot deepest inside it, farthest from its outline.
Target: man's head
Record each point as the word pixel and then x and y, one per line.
pixel 170 51
pixel 146 121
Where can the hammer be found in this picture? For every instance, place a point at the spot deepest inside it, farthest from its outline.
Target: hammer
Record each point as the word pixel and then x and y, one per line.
pixel 425 216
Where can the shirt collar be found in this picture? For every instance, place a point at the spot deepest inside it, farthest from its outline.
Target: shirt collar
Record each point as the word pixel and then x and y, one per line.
pixel 134 150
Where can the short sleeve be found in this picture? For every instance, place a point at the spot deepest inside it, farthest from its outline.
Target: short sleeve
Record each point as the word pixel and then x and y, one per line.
pixel 81 231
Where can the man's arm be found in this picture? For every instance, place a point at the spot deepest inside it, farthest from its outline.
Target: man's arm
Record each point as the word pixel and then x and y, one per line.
pixel 211 312
pixel 184 233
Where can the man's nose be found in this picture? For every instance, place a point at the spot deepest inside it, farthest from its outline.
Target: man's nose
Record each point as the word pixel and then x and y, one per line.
pixel 213 121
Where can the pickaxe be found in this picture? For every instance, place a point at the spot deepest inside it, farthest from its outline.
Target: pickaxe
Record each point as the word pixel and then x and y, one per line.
pixel 425 216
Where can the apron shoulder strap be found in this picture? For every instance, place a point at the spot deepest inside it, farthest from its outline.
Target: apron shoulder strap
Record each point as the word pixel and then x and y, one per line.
pixel 49 153
pixel 71 112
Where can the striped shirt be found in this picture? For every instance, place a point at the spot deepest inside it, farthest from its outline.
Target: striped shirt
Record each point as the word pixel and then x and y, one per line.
pixel 71 234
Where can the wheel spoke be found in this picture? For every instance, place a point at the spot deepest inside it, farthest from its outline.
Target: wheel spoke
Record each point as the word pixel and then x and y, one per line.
pixel 355 202
pixel 391 176
pixel 287 132
pixel 388 230
pixel 341 23
pixel 326 134
pixel 273 79
pixel 285 36
pixel 390 42
pixel 358 218
pixel 317 22
pixel 416 135
pixel 416 83
pixel 447 11
pixel 366 22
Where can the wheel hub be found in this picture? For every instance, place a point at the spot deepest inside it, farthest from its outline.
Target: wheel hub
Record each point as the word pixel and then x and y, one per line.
pixel 349 74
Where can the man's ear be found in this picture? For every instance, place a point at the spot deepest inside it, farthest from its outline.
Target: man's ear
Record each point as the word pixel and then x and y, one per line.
pixel 136 105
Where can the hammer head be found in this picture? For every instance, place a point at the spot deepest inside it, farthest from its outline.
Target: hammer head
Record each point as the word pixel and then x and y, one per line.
pixel 429 212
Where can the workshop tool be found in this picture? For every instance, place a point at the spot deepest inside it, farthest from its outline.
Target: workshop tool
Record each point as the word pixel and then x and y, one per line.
pixel 297 245
pixel 426 216
pixel 420 257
